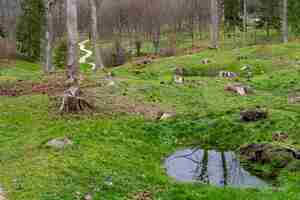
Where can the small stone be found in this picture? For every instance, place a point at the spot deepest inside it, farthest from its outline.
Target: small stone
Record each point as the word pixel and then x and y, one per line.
pixel 59 143
pixel 167 116
pixel 108 181
pixel 178 79
pixel 88 197
pixel 205 61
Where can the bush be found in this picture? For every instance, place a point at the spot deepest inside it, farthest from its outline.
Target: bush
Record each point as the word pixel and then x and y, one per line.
pixel 60 54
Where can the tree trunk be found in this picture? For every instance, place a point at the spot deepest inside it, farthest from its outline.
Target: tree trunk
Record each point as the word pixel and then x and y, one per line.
pixel 245 18
pixel 94 4
pixel 72 29
pixel 49 5
pixel 214 24
pixel 284 22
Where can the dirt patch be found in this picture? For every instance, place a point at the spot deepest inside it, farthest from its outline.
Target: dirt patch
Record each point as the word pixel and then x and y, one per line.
pixel 110 104
pixel 20 88
pixel 127 105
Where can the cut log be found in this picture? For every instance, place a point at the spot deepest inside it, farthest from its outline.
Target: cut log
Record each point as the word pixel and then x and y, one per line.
pixel 73 101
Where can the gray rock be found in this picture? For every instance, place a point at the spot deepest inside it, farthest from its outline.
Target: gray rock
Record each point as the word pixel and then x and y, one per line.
pixel 59 143
pixel 167 115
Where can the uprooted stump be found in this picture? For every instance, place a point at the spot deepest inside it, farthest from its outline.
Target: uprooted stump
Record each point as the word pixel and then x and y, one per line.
pixel 252 115
pixel 239 89
pixel 74 101
pixel 269 153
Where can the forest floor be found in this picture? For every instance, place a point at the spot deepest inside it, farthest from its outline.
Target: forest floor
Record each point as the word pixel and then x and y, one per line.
pixel 118 151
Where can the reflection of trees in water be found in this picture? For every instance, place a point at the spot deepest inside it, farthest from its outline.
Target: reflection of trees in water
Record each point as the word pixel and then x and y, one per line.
pixel 217 168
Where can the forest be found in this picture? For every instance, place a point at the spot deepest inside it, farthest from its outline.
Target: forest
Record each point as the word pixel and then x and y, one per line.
pixel 149 99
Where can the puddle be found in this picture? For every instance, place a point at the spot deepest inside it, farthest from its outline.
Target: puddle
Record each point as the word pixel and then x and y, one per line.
pixel 211 167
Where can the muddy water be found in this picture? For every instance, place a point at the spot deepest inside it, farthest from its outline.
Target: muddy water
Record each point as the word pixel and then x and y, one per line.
pixel 210 166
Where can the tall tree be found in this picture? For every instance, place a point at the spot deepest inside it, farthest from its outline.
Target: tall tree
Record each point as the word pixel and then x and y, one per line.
pixel 72 29
pixel 49 36
pixel 29 29
pixel 95 5
pixel 214 24
pixel 284 22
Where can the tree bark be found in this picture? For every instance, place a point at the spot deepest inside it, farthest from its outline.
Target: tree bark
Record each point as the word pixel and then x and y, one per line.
pixel 245 19
pixel 49 5
pixel 94 4
pixel 214 24
pixel 284 22
pixel 72 29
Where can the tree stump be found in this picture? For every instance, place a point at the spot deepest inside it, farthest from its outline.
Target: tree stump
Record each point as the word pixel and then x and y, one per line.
pixel 239 89
pixel 73 101
pixel 178 75
pixel 252 115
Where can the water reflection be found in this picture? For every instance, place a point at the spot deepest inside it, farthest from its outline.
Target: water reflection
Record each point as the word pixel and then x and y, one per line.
pixel 212 167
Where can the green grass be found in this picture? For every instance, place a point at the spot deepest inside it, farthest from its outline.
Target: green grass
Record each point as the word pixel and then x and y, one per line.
pixel 131 149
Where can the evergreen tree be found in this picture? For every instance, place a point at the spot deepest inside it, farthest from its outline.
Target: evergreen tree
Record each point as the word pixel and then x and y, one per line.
pixel 232 14
pixel 294 16
pixel 270 15
pixel 30 29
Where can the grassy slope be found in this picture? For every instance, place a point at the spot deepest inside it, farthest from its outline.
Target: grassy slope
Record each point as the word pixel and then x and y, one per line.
pixel 131 149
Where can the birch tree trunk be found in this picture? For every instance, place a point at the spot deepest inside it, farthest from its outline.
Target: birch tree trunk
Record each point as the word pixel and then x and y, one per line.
pixel 49 5
pixel 94 5
pixel 285 29
pixel 72 29
pixel 214 24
